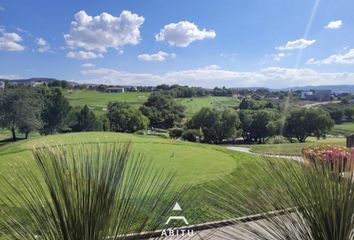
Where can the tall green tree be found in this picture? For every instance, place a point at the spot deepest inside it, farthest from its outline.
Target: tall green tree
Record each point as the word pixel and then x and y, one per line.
pixel 301 123
pixel 125 118
pixel 163 111
pixel 56 111
pixel 85 120
pixel 20 110
pixel 215 125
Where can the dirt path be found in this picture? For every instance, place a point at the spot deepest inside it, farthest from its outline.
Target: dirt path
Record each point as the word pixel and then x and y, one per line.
pixel 248 150
pixel 317 104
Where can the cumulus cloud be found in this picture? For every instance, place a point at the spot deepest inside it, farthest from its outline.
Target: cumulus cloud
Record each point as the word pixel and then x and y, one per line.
pixel 82 55
pixel 88 65
pixel 156 57
pixel 214 75
pixel 297 44
pixel 345 58
pixel 183 33
pixel 43 45
pixel 98 33
pixel 10 41
pixel 334 24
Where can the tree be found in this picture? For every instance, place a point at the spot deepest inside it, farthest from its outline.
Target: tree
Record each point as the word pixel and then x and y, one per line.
pixel 124 118
pixel 20 110
pixel 301 123
pixel 336 112
pixel 215 125
pixel 56 111
pixel 85 121
pixel 349 112
pixel 259 126
pixel 163 111
pixel 249 104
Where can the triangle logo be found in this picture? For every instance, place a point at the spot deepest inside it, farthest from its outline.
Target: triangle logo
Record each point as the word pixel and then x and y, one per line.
pixel 177 207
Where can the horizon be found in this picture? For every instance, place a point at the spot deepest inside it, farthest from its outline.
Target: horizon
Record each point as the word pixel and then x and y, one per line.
pixel 203 43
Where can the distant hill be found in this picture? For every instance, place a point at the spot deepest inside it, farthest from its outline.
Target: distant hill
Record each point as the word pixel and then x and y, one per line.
pixel 334 88
pixel 31 80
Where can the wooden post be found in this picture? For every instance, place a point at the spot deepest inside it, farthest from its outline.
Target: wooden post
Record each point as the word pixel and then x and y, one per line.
pixel 350 141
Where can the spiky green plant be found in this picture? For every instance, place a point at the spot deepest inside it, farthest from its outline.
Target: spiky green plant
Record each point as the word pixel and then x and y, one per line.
pixel 85 192
pixel 309 200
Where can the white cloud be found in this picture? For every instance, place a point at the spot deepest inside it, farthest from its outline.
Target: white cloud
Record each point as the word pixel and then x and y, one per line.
pixel 10 41
pixel 82 55
pixel 183 33
pixel 104 31
pixel 156 57
pixel 213 75
pixel 43 45
pixel 334 24
pixel 297 44
pixel 88 65
pixel 346 58
pixel 280 56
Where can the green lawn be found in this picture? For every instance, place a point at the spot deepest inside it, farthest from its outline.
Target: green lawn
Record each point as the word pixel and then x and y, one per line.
pixel 294 149
pixel 343 129
pixel 196 165
pixel 98 101
pixel 193 163
pixel 193 105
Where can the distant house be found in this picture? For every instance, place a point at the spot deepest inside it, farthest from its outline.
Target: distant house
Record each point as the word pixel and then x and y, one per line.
pixel 318 95
pixel 114 90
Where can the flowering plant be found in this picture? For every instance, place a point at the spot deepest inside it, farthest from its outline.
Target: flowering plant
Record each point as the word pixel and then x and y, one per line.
pixel 335 157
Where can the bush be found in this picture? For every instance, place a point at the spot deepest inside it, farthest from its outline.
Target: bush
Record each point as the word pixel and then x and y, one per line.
pixel 192 135
pixel 176 133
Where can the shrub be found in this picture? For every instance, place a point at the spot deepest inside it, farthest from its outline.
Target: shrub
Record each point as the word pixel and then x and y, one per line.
pixel 192 135
pixel 176 133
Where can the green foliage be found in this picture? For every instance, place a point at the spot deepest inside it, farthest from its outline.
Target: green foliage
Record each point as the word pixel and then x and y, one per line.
pixel 215 125
pixel 56 111
pixel 20 109
pixel 310 201
pixel 85 121
pixel 248 104
pixel 258 126
pixel 163 111
pixel 124 118
pixel 301 123
pixel 175 133
pixel 192 135
pixel 349 112
pixel 336 112
pixel 89 192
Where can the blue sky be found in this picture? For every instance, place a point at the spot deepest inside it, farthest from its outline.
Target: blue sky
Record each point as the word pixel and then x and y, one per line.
pixel 271 43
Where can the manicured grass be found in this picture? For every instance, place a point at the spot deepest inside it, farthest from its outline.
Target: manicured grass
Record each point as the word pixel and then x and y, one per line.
pixel 193 105
pixel 98 101
pixel 294 149
pixel 344 128
pixel 193 163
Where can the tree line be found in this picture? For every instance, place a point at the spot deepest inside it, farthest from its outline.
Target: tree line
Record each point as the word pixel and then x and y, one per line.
pixel 45 109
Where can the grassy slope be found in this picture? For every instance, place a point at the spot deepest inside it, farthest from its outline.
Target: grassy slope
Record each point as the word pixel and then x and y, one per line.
pixel 344 128
pixel 193 105
pixel 294 149
pixel 193 163
pixel 98 101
